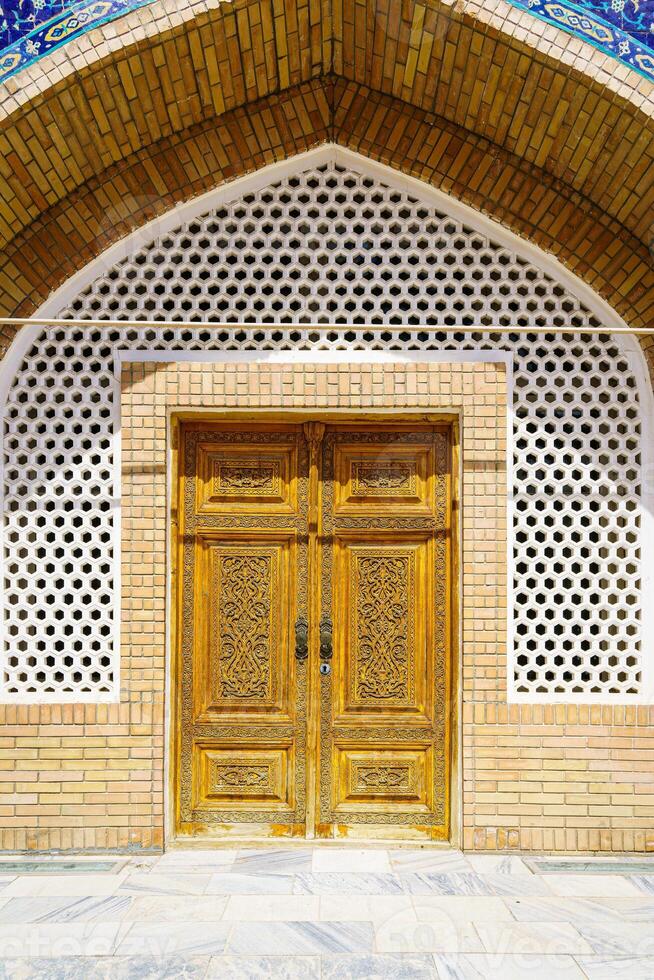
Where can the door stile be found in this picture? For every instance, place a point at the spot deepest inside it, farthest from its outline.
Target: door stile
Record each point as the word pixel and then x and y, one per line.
pixel 313 434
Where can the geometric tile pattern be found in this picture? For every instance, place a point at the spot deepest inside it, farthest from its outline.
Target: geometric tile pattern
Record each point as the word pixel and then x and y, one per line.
pixel 623 29
pixel 30 29
pixel 333 246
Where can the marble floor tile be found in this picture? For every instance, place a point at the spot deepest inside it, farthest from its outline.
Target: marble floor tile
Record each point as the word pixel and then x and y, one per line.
pixel 62 886
pixel 335 859
pixel 272 908
pixel 426 859
pixel 631 909
pixel 404 934
pixel 644 883
pixel 576 910
pixel 168 884
pixel 525 938
pixel 174 939
pixel 379 966
pixel 311 938
pixel 363 908
pixel 267 861
pixel 264 968
pixel 363 883
pixel 507 886
pixel 619 939
pixel 509 864
pixel 231 883
pixel 461 908
pixel 173 908
pixel 103 968
pixel 590 885
pixel 487 966
pixel 60 939
pixel 195 862
pixel 198 856
pixel 617 967
pixel 427 882
pixel 110 908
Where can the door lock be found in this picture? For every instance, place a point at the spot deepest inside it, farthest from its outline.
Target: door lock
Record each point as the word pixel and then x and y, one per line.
pixel 325 669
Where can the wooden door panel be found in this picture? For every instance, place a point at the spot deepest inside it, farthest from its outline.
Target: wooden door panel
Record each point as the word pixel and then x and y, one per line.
pixel 245 600
pixel 383 627
pixel 377 479
pixel 250 777
pixel 378 777
pixel 247 478
pixel 242 697
pixel 385 725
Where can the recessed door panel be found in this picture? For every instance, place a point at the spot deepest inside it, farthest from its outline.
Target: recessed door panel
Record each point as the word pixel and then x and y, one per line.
pixel 249 777
pixel 246 478
pixel 375 778
pixel 383 626
pixel 245 600
pixel 377 479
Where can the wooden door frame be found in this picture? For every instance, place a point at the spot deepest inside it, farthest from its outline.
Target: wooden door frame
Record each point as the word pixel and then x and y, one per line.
pixel 176 419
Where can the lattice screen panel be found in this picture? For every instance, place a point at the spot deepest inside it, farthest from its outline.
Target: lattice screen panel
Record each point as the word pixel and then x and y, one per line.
pixel 333 246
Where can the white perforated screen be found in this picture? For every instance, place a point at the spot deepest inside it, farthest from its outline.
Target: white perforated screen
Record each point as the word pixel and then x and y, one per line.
pixel 333 246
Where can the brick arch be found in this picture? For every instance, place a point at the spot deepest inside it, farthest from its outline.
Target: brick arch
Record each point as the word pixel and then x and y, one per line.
pixel 154 179
pixel 434 91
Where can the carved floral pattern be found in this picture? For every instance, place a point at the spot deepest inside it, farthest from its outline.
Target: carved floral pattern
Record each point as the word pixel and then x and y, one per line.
pixel 381 777
pixel 240 776
pixel 383 609
pixel 244 627
pixel 246 477
pixel 383 478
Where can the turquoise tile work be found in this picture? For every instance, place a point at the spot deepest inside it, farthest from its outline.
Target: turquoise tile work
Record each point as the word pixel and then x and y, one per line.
pixel 29 29
pixel 623 29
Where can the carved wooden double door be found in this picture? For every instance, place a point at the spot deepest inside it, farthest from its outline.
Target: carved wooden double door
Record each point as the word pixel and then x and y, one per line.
pixel 313 665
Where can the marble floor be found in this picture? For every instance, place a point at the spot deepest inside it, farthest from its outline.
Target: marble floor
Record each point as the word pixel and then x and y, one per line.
pixel 329 912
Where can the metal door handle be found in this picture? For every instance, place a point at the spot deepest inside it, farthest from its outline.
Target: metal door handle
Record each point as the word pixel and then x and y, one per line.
pixel 301 639
pixel 325 638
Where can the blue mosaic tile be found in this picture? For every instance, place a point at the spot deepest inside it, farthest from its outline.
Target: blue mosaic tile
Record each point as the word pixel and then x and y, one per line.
pixel 623 29
pixel 30 29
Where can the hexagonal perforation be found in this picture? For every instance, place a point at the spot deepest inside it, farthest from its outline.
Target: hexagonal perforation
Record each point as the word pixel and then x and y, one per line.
pixel 333 246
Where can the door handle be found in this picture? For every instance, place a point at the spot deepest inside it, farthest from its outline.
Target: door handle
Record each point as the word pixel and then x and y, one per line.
pixel 301 639
pixel 325 639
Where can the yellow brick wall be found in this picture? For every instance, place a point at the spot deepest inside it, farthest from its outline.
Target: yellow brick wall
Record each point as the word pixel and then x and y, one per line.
pixel 533 777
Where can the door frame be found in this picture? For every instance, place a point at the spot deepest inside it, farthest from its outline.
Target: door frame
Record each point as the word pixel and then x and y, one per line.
pixel 176 419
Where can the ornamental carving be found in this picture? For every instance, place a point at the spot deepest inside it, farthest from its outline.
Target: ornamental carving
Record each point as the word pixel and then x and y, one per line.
pixel 383 478
pixel 242 777
pixel 383 608
pixel 246 477
pixel 379 778
pixel 244 626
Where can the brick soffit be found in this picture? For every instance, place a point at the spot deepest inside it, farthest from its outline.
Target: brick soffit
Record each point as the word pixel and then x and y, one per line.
pixel 433 89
